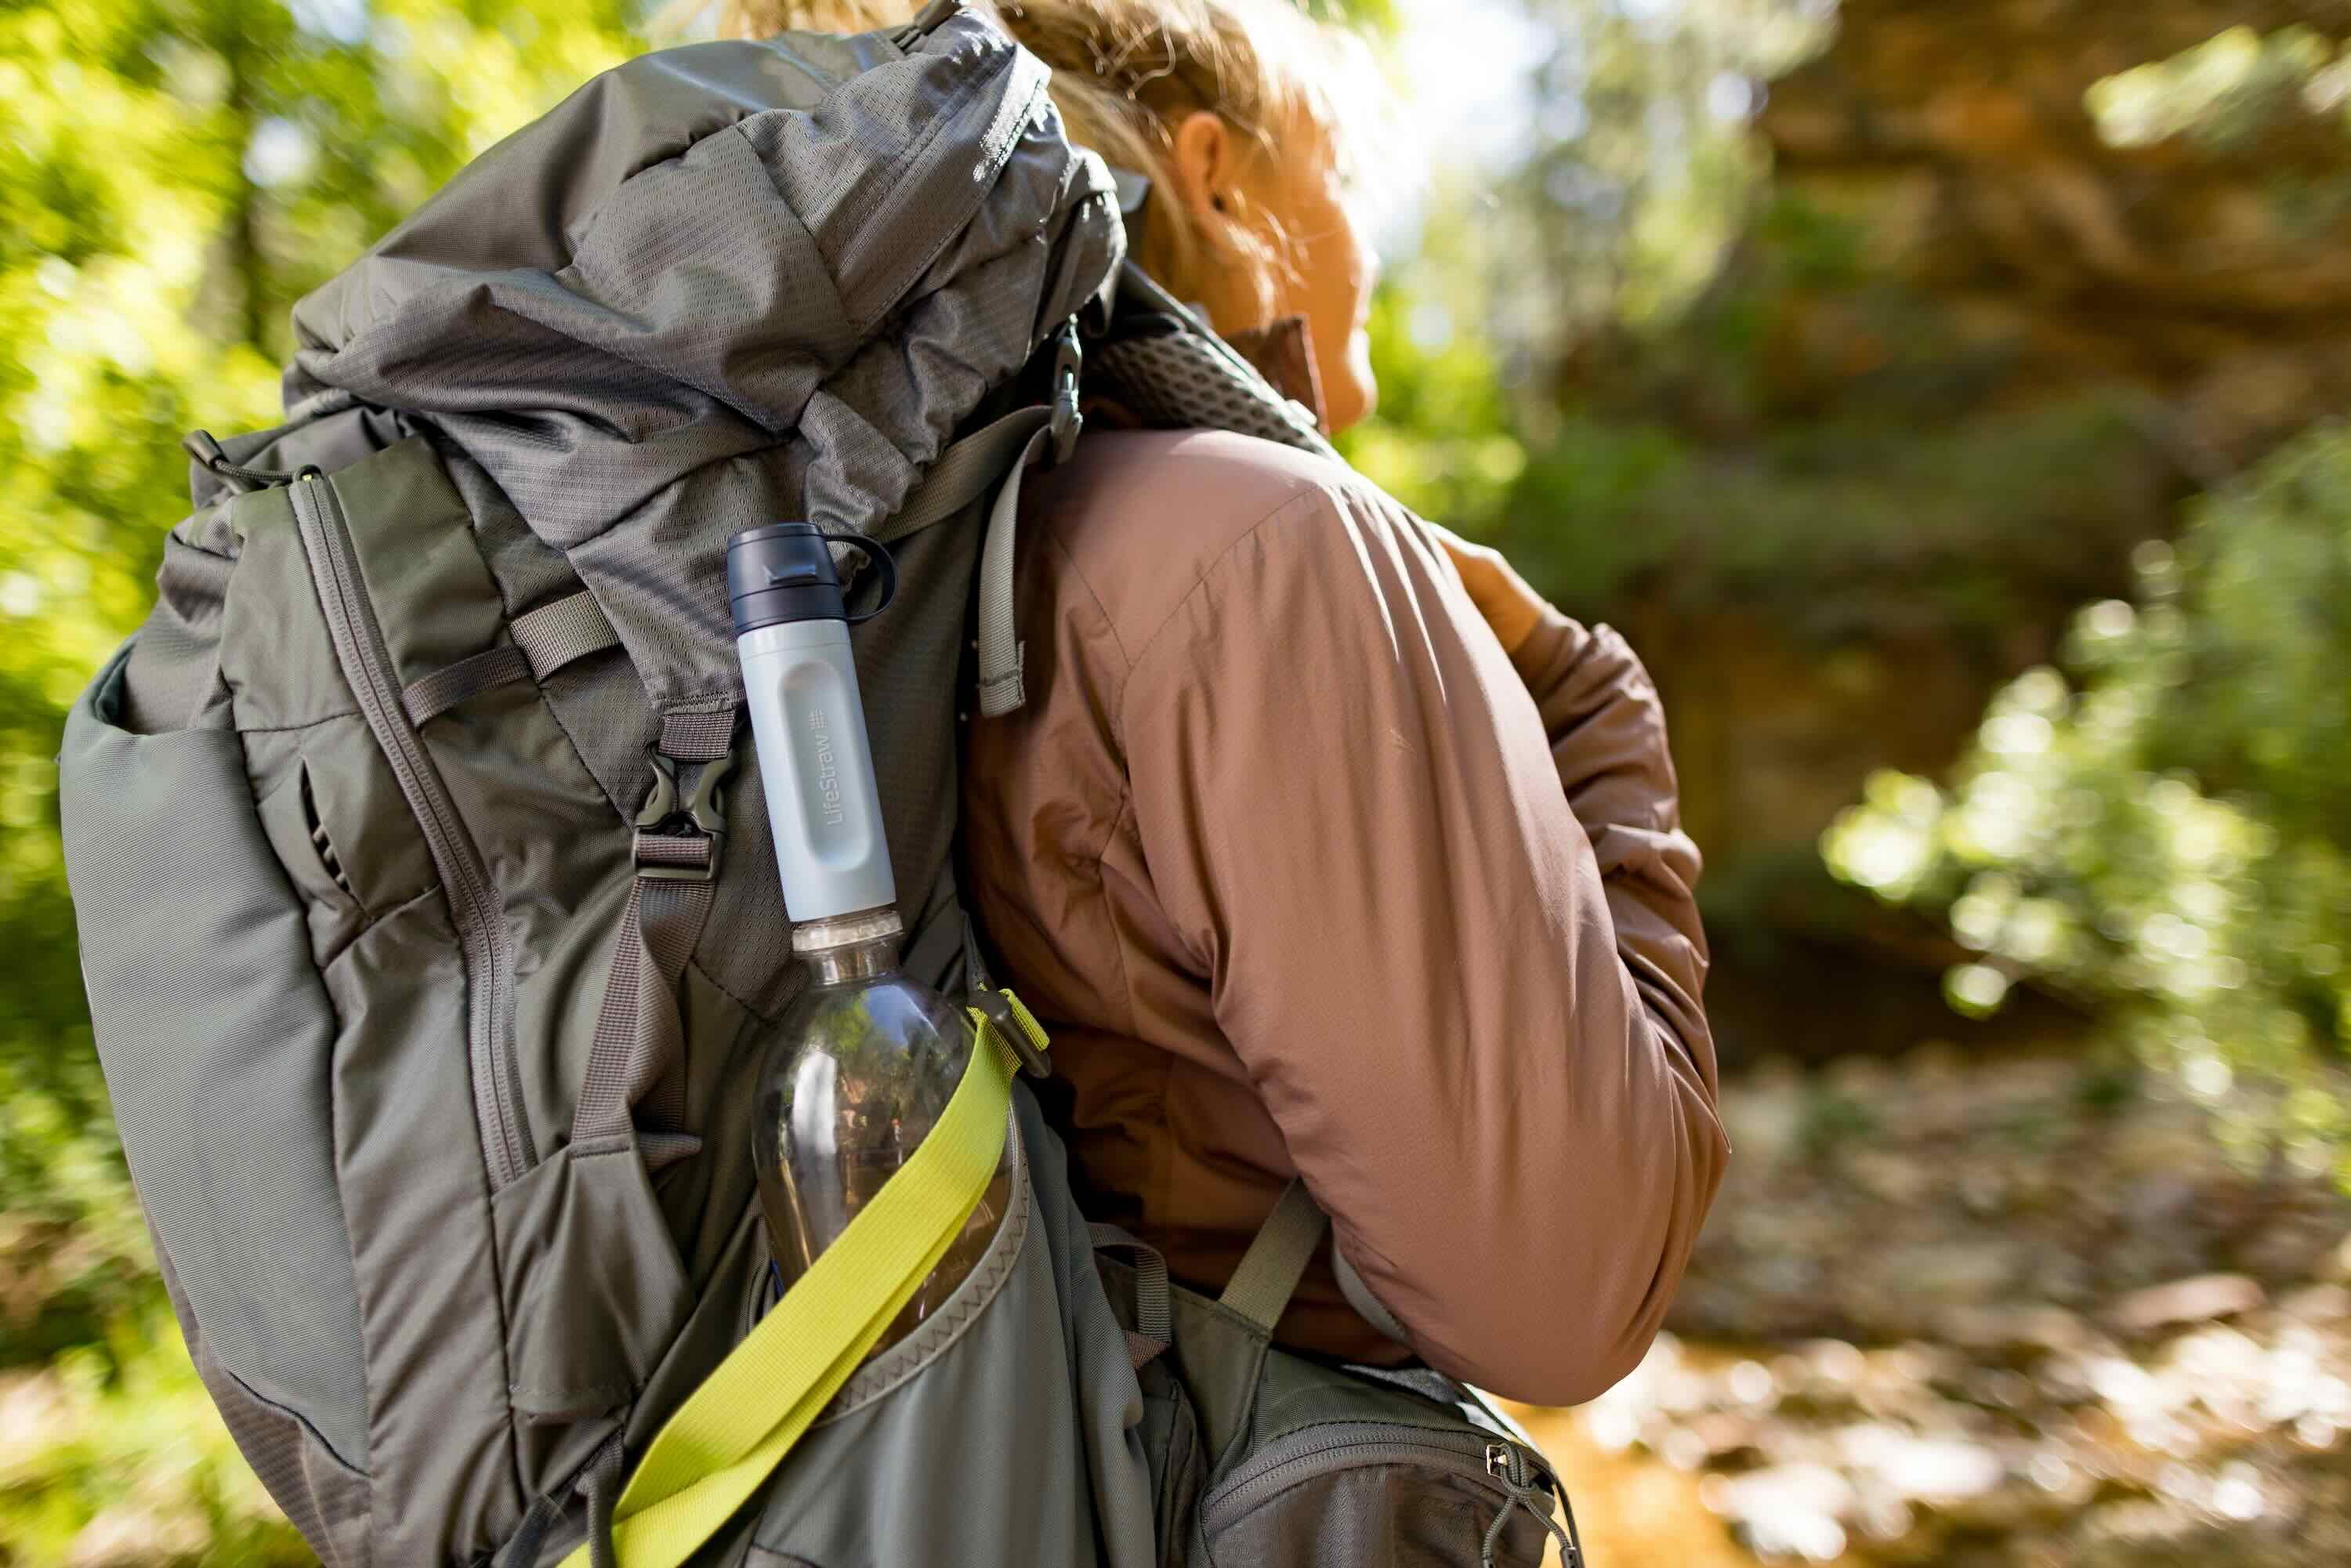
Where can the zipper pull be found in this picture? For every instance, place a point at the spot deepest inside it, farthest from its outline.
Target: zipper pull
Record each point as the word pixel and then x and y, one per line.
pixel 1506 1463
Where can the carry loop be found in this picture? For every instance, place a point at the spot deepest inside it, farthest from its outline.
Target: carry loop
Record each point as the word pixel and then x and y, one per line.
pixel 1155 1301
pixel 1276 1260
pixel 887 564
pixel 638 1056
pixel 731 1433
pixel 1001 653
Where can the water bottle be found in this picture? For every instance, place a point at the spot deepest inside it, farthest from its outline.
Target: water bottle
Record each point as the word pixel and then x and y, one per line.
pixel 865 1059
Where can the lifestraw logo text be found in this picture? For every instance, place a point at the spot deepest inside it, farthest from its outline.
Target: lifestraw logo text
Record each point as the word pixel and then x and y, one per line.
pixel 828 775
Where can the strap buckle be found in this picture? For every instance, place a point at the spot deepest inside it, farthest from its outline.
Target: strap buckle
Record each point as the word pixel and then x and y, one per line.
pixel 1019 1028
pixel 679 838
pixel 928 20
pixel 1069 358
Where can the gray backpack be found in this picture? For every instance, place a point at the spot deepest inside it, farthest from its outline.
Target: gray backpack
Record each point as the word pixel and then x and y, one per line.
pixel 430 955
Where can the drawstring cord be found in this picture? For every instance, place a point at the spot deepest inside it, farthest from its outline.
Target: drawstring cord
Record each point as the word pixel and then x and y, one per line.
pixel 600 1483
pixel 1536 1500
pixel 603 1485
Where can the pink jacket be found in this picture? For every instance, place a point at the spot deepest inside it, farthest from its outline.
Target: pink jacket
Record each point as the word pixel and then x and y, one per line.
pixel 1309 875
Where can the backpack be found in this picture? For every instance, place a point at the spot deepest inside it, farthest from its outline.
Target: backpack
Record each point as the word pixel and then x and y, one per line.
pixel 430 949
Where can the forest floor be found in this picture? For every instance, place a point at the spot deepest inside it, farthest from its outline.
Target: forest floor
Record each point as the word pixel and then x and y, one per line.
pixel 1948 1312
pixel 2015 1313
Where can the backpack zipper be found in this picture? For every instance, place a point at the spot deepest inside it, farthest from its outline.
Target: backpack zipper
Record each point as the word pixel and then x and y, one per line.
pixel 1343 1444
pixel 473 898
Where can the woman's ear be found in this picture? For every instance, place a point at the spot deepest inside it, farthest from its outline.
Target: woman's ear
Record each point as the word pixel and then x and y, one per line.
pixel 1203 164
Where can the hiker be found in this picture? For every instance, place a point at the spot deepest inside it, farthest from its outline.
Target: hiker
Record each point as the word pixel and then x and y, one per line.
pixel 1309 871
pixel 435 936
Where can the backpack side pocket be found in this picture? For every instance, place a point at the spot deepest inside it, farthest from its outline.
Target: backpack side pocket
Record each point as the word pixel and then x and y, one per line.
pixel 999 1434
pixel 216 1037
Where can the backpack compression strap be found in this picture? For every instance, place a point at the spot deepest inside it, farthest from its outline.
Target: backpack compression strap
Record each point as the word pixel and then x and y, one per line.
pixel 732 1432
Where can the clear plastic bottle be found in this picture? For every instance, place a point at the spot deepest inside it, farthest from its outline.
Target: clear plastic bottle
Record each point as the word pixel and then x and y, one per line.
pixel 865 1060
pixel 861 1068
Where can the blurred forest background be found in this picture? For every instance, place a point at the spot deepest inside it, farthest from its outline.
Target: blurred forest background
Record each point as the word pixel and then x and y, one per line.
pixel 1941 397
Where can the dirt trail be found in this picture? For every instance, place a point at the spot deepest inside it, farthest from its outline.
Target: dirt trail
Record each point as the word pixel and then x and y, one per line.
pixel 2011 1315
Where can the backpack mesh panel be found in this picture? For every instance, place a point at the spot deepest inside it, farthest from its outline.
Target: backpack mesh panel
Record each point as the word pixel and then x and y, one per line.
pixel 1180 380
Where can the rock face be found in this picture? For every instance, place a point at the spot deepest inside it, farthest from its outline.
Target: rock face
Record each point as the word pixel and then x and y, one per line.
pixel 1978 341
pixel 2211 266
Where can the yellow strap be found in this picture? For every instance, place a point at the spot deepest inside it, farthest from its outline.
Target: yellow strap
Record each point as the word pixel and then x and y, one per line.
pixel 722 1442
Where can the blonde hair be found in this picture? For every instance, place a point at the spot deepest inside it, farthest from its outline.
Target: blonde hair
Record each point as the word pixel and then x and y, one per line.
pixel 1126 73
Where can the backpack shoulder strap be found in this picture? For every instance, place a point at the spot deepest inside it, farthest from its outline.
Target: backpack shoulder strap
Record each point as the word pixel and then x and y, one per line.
pixel 1276 1260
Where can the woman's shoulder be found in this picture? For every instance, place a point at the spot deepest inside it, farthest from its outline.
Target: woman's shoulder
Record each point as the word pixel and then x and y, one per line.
pixel 1142 516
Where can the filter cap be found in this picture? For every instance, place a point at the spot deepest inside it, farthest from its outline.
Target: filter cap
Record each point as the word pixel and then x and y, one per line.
pixel 780 572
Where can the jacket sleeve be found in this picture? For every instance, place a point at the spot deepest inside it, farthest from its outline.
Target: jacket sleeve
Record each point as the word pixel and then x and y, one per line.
pixel 1468 996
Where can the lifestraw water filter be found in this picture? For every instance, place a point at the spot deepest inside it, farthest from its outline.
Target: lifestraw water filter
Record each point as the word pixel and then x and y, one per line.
pixel 792 630
pixel 864 1059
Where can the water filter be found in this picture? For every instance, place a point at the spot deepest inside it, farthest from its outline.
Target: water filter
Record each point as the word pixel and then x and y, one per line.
pixel 865 1059
pixel 791 631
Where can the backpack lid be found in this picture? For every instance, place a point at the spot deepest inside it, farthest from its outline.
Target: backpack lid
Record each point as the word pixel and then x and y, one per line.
pixel 722 284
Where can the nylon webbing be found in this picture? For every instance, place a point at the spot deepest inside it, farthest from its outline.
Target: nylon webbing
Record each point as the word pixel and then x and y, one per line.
pixel 640 1034
pixel 963 472
pixel 1277 1259
pixel 545 640
pixel 1001 651
pixel 1154 1307
pixel 722 1442
pixel 637 1057
pixel 600 1486
pixel 430 696
pixel 697 736
pixel 554 634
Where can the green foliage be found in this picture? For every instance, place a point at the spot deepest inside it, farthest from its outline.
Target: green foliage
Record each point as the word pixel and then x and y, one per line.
pixel 2167 836
pixel 1694 466
pixel 2170 835
pixel 1443 441
pixel 174 174
pixel 1842 528
pixel 1936 523
pixel 2222 95
pixel 1642 172
pixel 96 1457
pixel 2106 1088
